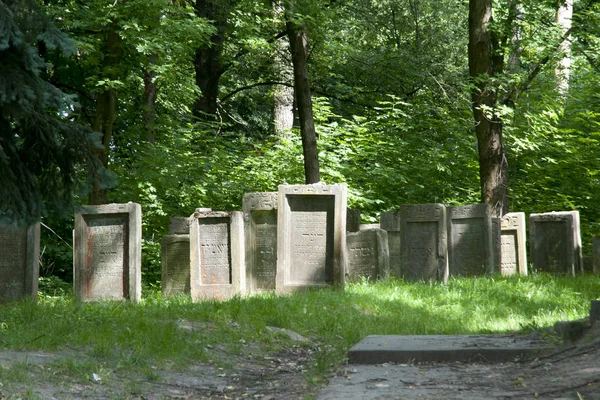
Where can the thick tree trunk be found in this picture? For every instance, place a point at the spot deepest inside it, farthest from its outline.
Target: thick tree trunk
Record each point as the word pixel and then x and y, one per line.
pixel 105 114
pixel 485 60
pixel 283 95
pixel 298 45
pixel 208 62
pixel 564 15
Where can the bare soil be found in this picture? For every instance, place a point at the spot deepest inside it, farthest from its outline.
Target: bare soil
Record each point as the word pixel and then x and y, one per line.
pixel 569 371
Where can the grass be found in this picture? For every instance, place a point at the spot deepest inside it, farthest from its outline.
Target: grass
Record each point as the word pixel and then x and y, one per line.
pixel 134 337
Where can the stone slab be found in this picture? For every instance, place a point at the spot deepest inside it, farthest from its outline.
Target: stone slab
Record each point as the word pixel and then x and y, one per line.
pixel 260 231
pixel 555 242
pixel 470 240
pixel 378 349
pixel 423 245
pixel 107 254
pixel 175 260
pixel 216 255
pixel 513 248
pixel 19 262
pixel 179 226
pixel 390 222
pixel 368 255
pixel 311 237
pixel 352 220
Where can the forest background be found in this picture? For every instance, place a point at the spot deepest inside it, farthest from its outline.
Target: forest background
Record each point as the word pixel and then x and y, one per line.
pixel 179 104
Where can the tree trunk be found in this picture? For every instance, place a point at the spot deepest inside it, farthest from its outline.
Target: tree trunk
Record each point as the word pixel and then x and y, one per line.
pixel 486 60
pixel 105 114
pixel 564 16
pixel 150 100
pixel 283 96
pixel 298 44
pixel 208 62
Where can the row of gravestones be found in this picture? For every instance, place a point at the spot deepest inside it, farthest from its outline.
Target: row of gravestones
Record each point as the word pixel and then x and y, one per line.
pixel 293 239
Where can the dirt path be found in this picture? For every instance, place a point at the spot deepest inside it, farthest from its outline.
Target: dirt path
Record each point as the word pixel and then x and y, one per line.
pixel 569 372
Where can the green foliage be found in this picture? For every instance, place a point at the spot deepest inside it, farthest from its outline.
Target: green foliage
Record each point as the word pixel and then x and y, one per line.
pixel 41 151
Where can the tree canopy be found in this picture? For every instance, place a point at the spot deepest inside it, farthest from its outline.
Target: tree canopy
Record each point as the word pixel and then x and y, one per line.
pixel 171 104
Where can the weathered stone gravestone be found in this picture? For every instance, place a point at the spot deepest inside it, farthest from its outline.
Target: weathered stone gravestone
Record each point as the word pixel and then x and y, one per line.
pixel 470 241
pixel 369 226
pixel 390 222
pixel 513 253
pixel 496 244
pixel 179 226
pixel 423 250
pixel 19 262
pixel 108 253
pixel 260 227
pixel 311 236
pixel 555 242
pixel 596 246
pixel 217 255
pixel 352 220
pixel 368 255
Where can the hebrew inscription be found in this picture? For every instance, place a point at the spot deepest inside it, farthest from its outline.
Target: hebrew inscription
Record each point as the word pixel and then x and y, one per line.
pixel 107 274
pixel 420 259
pixel 215 260
pixel 176 264
pixel 468 255
pixel 552 247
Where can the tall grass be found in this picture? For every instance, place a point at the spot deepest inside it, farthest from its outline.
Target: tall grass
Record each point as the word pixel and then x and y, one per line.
pixel 140 334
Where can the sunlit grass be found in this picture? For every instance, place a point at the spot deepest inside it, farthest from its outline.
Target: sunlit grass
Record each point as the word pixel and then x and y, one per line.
pixel 137 335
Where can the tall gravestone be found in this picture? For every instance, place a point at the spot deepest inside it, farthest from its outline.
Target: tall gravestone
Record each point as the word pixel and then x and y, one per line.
pixel 555 242
pixel 423 248
pixel 368 254
pixel 390 222
pixel 19 262
pixel 470 241
pixel 596 262
pixel 512 244
pixel 108 253
pixel 311 236
pixel 175 258
pixel 260 226
pixel 217 255
pixel 352 220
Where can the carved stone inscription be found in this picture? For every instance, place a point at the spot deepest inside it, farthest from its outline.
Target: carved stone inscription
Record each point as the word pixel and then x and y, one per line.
pixel 106 272
pixel 177 265
pixel 13 247
pixel 552 246
pixel 215 257
pixel 420 260
pixel 264 225
pixel 363 257
pixel 468 252
pixel 508 253
pixel 311 239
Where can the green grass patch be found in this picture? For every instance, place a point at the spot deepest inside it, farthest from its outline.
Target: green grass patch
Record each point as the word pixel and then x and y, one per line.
pixel 176 332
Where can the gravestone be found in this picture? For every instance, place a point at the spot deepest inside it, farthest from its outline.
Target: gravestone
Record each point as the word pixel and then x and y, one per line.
pixel 179 226
pixel 390 222
pixel 369 226
pixel 352 220
pixel 311 236
pixel 260 227
pixel 496 244
pixel 513 249
pixel 423 249
pixel 217 255
pixel 588 264
pixel 368 255
pixel 19 262
pixel 596 246
pixel 555 242
pixel 175 257
pixel 470 241
pixel 108 253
